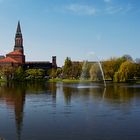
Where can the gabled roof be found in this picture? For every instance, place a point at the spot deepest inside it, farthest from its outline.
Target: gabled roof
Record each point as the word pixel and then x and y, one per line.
pixel 8 59
pixel 15 53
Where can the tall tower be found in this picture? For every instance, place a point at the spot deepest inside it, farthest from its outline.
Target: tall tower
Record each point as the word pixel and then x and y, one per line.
pixel 54 65
pixel 18 53
pixel 18 40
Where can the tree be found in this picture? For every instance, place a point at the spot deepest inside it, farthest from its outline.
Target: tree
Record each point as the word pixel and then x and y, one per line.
pixel 127 71
pixel 117 77
pixel 112 65
pixel 127 57
pixel 53 73
pixel 137 60
pixel 95 72
pixel 7 72
pixel 19 74
pixel 137 71
pixel 76 70
pixel 59 72
pixel 67 69
pixel 35 73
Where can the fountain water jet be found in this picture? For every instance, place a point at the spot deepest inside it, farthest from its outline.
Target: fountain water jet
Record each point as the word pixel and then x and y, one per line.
pixel 92 71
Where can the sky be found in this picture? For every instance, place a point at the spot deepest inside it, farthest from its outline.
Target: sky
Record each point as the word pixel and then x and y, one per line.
pixel 71 28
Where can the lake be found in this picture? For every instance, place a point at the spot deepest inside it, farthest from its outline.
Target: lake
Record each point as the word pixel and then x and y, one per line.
pixel 62 111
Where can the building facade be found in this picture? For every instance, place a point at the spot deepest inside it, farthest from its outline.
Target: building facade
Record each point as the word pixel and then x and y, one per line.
pixel 17 57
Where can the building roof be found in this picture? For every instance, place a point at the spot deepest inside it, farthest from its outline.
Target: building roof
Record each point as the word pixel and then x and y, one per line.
pixel 16 52
pixel 8 59
pixel 37 62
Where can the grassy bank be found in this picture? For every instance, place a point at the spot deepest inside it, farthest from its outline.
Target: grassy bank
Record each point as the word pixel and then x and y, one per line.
pixel 68 80
pixel 2 80
pixel 64 80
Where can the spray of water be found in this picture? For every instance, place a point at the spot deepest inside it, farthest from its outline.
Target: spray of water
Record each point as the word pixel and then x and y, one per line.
pixel 102 72
pixel 94 68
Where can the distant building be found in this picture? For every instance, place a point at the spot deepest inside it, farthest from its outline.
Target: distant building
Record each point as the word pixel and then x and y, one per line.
pixel 17 57
pixel 2 56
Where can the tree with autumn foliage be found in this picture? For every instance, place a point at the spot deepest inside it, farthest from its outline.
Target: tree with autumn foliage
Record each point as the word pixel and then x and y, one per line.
pixel 7 72
pixel 111 66
pixel 126 72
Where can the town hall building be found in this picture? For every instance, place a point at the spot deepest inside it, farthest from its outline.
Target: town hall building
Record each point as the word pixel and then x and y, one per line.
pixel 17 57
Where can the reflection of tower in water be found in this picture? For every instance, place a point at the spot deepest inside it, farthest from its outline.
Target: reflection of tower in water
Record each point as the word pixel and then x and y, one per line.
pixel 51 89
pixel 19 107
pixel 14 97
pixel 67 94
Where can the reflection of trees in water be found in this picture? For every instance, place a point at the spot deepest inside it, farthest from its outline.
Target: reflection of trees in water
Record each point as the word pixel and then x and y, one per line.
pixel 35 87
pixel 113 93
pixel 14 95
pixel 121 92
pixel 52 90
pixel 41 88
pixel 84 93
pixel 14 98
pixel 121 96
pixel 67 94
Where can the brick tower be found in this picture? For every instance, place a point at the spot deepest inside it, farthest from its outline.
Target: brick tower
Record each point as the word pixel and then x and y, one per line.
pixel 18 52
pixel 19 40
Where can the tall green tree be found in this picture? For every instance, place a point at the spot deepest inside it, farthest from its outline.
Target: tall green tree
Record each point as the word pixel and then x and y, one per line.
pixel 67 69
pixel 59 72
pixel 53 73
pixel 19 74
pixel 137 71
pixel 76 70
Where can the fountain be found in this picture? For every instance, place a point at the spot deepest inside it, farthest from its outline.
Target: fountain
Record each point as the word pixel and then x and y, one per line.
pixel 92 75
pixel 92 72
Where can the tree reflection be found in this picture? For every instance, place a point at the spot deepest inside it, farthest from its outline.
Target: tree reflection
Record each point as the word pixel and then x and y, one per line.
pixel 110 94
pixel 85 93
pixel 67 94
pixel 120 92
pixel 51 88
pixel 14 97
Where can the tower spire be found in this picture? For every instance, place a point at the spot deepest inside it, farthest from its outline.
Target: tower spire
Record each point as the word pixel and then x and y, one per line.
pixel 18 39
pixel 18 28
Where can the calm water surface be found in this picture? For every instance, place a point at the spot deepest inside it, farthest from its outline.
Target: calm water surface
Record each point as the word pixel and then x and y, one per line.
pixel 69 112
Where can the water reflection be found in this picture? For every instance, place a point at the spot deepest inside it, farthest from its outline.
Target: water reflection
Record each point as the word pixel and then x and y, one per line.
pixel 14 97
pixel 53 100
pixel 74 91
pixel 121 92
pixel 112 93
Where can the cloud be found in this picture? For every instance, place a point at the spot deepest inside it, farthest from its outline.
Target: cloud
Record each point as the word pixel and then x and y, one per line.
pixel 91 10
pixel 114 9
pixel 119 9
pixel 81 9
